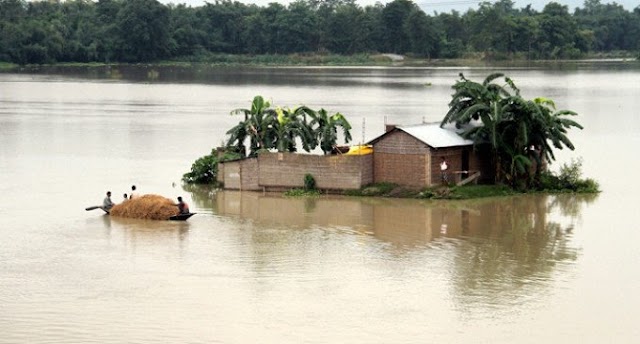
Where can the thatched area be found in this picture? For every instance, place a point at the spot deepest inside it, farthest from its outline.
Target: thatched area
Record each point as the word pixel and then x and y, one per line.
pixel 152 207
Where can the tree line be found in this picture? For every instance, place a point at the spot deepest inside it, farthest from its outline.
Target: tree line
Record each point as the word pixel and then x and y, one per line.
pixel 147 30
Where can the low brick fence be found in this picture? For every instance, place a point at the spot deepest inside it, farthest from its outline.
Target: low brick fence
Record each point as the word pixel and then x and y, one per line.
pixel 282 171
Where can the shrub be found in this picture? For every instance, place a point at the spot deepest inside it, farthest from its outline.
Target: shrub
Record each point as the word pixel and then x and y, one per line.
pixel 205 169
pixel 569 179
pixel 301 192
pixel 309 182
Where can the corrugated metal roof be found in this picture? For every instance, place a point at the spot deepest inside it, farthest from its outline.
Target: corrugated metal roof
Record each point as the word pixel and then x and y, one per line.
pixel 434 136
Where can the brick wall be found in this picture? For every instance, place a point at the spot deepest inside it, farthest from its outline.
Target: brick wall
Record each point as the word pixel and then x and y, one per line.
pixel 399 142
pixel 454 162
pixel 249 174
pixel 334 172
pixel 402 159
pixel 239 174
pixel 479 160
pixel 398 158
pixel 402 169
pixel 230 174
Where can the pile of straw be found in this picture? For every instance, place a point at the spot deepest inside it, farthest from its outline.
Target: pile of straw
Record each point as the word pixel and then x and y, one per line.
pixel 152 207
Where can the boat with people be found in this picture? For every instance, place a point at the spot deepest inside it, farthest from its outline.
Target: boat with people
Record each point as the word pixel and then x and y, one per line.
pixel 150 207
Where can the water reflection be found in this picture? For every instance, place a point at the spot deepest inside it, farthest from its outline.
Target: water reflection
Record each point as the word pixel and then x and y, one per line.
pixel 521 225
pixel 136 232
pixel 515 249
pixel 499 251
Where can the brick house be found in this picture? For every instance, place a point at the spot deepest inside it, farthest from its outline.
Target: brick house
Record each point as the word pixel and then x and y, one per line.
pixel 405 155
pixel 411 156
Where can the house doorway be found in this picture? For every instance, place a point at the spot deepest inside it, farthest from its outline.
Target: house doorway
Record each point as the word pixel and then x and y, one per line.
pixel 465 165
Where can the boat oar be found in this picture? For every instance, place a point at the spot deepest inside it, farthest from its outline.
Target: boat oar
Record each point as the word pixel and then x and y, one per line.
pixel 96 207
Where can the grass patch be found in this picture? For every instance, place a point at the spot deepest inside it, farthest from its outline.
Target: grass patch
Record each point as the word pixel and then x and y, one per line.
pixel 283 60
pixel 480 191
pixel 438 192
pixel 378 189
pixel 302 193
pixel 7 65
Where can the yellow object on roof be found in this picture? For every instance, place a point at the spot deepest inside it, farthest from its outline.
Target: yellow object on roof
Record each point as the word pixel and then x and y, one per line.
pixel 360 150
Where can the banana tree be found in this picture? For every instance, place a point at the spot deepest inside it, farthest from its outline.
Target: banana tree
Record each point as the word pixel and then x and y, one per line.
pixel 289 126
pixel 325 129
pixel 257 126
pixel 469 93
pixel 511 126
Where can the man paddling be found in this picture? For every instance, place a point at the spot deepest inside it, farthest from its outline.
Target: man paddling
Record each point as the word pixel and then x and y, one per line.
pixel 182 206
pixel 107 204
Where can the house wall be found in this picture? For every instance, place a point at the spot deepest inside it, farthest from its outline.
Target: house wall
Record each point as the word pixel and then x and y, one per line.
pixel 249 174
pixel 453 155
pixel 239 174
pixel 402 159
pixel 479 160
pixel 334 172
pixel 281 171
pixel 230 176
pixel 398 158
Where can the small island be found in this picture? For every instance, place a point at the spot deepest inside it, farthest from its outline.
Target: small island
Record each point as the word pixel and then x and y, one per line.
pixel 491 142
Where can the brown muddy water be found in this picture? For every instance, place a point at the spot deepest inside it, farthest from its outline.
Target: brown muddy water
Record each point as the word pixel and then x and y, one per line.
pixel 253 267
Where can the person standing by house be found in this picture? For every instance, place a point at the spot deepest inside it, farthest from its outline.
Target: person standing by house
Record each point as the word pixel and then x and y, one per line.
pixel 444 166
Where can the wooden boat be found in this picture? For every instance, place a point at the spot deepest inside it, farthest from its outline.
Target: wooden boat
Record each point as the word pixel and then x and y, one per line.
pixel 181 217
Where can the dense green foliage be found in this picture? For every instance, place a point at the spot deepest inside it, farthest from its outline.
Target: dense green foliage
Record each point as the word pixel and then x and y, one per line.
pixel 568 179
pixel 146 30
pixel 520 133
pixel 309 182
pixel 283 129
pixel 267 128
pixel 205 169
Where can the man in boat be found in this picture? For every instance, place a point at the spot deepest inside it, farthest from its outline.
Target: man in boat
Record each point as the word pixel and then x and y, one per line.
pixel 107 204
pixel 182 206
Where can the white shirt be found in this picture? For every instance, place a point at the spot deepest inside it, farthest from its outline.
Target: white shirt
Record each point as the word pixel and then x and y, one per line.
pixel 443 166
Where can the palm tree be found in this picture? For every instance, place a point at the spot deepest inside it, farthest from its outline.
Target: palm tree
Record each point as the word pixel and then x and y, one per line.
pixel 325 129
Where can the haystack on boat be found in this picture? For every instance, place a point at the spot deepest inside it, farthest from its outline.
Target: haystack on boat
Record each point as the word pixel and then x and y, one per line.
pixel 150 207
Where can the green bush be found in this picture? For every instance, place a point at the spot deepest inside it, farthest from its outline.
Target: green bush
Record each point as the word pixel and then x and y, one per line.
pixel 301 192
pixel 205 169
pixel 569 179
pixel 309 182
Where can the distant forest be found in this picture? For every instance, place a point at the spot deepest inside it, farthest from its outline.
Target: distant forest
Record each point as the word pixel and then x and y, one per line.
pixel 35 32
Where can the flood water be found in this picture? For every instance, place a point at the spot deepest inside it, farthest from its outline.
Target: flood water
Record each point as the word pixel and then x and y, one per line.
pixel 262 268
